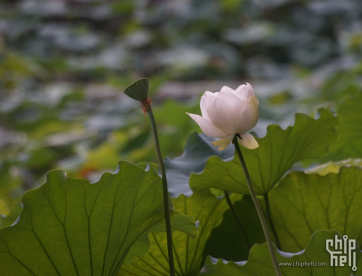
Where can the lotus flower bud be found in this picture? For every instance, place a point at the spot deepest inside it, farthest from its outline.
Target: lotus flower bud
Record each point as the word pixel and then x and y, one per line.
pixel 228 113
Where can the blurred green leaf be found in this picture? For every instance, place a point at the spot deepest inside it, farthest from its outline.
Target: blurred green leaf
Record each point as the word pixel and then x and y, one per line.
pixel 11 217
pixel 334 167
pixel 4 210
pixel 174 126
pixel 280 98
pixel 40 158
pixel 123 7
pixel 10 183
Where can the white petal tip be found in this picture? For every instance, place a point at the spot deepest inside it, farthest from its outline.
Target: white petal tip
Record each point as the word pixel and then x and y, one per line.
pixel 252 147
pixel 206 126
pixel 223 143
pixel 227 89
pixel 248 141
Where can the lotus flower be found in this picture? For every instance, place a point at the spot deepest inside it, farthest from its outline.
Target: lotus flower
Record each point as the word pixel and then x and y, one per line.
pixel 228 113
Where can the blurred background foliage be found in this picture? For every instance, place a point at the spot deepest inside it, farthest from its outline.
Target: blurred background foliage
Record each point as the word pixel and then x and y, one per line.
pixel 64 66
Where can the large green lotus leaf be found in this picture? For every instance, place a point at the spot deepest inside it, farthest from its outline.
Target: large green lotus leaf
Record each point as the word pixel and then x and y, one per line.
pixel 304 203
pixel 259 261
pixel 300 205
pixel 71 227
pixel 189 254
pixel 10 184
pixel 349 144
pixel 197 150
pixel 277 152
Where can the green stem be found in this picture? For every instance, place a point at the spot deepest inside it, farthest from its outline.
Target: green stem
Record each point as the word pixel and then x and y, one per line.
pixel 165 193
pixel 258 207
pixel 238 221
pixel 271 222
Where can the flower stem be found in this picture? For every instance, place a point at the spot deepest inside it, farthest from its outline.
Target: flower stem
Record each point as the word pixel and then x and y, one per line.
pixel 258 207
pixel 276 238
pixel 238 221
pixel 165 193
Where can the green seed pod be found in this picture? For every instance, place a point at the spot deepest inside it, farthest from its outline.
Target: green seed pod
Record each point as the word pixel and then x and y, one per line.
pixel 138 90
